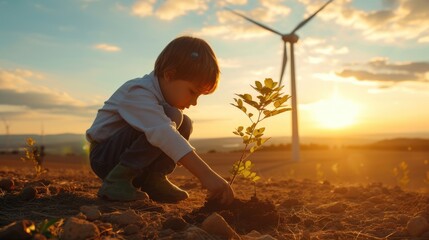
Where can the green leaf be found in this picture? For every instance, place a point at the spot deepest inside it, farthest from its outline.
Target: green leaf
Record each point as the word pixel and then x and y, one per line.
pixel 245 173
pixel 248 164
pixel 267 112
pixel 269 83
pixel 247 97
pixel 240 128
pixel 258 85
pixel 265 90
pixel 263 140
pixel 253 149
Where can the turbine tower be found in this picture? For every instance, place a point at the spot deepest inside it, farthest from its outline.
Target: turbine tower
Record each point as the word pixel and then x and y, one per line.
pixel 290 38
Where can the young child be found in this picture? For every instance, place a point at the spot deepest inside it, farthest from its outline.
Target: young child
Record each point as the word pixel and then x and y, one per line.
pixel 140 133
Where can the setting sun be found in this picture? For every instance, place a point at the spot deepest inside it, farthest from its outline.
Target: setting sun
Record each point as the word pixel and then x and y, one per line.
pixel 335 112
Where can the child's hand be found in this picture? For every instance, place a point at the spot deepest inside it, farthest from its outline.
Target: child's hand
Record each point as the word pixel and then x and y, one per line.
pixel 217 186
pixel 219 189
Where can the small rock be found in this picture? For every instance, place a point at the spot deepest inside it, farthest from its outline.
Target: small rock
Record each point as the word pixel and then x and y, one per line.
pixel 91 212
pixel 124 218
pixel 215 224
pixel 425 235
pixel 17 230
pixel 28 193
pixel 80 216
pixel 7 184
pixel 175 223
pixel 79 229
pixel 131 229
pixel 417 226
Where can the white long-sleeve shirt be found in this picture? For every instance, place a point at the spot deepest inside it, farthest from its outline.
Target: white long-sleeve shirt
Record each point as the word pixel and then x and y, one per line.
pixel 139 103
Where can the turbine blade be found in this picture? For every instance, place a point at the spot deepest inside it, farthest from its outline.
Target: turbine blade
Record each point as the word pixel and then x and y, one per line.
pixel 305 21
pixel 283 63
pixel 255 22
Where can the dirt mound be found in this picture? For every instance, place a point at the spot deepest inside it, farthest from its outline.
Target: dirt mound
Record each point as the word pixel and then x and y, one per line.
pixel 243 215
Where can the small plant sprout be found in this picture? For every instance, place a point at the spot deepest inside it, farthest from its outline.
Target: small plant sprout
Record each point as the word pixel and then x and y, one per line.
pixel 32 154
pixel 270 102
pixel 49 228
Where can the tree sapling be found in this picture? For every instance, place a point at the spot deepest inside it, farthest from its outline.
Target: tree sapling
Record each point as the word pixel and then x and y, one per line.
pixel 32 154
pixel 270 102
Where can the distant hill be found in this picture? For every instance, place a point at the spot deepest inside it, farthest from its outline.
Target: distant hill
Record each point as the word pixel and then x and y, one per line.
pixel 64 144
pixel 75 144
pixel 398 144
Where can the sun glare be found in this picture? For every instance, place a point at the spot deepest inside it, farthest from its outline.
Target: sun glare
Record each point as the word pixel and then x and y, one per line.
pixel 335 112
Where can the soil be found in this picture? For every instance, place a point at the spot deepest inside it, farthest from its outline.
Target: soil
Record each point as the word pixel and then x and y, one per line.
pixel 243 215
pixel 284 209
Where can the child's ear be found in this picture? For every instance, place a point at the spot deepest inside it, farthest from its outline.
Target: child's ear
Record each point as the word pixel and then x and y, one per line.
pixel 169 74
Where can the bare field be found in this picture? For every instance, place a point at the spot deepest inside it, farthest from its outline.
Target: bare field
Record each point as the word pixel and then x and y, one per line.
pixel 337 166
pixel 327 195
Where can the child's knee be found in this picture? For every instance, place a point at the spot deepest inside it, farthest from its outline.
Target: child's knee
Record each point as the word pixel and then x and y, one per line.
pixel 186 128
pixel 174 114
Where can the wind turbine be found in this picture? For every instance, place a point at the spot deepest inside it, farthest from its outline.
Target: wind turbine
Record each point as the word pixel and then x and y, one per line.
pixel 290 38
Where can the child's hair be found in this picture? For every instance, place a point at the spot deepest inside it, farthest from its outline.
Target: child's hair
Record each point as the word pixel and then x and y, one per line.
pixel 192 59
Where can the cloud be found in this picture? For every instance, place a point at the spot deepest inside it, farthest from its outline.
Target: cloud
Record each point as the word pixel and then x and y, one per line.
pixel 364 75
pixel 17 92
pixel 398 20
pixel 413 67
pixel 107 47
pixel 143 8
pixel 223 3
pixel 380 70
pixel 168 9
pixel 235 27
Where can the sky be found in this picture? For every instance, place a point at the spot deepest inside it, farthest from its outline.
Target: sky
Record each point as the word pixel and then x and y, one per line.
pixel 362 67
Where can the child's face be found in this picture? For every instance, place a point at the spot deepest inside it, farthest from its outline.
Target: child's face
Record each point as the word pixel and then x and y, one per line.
pixel 180 93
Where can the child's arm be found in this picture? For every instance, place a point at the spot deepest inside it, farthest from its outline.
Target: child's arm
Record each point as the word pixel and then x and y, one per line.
pixel 215 184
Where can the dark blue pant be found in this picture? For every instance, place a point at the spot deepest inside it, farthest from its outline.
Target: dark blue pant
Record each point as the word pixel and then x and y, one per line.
pixel 131 148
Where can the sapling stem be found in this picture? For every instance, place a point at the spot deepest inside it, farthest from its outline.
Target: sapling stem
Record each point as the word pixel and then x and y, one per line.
pixel 269 95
